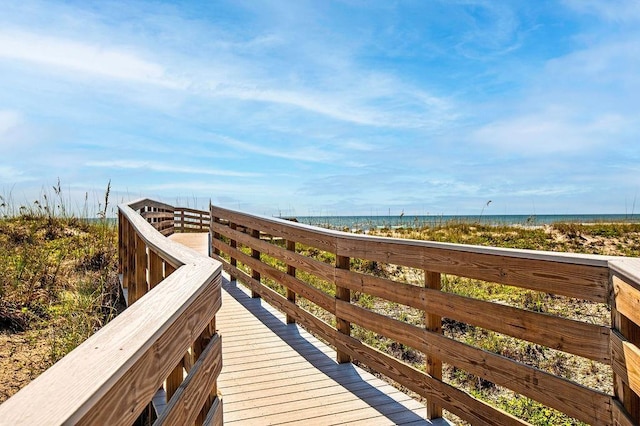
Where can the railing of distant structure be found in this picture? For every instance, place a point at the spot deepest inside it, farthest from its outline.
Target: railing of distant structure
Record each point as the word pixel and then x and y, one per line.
pixel 166 339
pixel 272 257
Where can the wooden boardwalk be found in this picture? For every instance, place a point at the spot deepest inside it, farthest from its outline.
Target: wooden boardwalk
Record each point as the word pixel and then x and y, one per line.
pixel 274 373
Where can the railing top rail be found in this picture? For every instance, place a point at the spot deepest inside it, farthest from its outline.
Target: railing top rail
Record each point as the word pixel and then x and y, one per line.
pixel 88 383
pixel 333 236
pixel 175 253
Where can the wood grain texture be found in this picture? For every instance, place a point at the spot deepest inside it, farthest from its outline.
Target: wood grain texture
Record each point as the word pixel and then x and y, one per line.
pixel 112 376
pixel 215 414
pixel 577 401
pixel 626 361
pixel 343 294
pixel 626 298
pixel 488 264
pixel 587 340
pixel 581 276
pixel 433 323
pixel 185 405
pixel 620 415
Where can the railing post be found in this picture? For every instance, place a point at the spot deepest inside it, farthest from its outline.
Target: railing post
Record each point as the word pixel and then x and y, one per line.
pixel 234 244
pixel 155 269
pixel 256 255
pixel 433 323
pixel 291 270
pixel 182 222
pixel 631 332
pixel 120 241
pixel 140 270
pixel 216 235
pixel 344 294
pixel 130 280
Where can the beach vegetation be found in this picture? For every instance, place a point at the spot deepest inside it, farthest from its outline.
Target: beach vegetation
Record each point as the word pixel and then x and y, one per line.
pixel 58 283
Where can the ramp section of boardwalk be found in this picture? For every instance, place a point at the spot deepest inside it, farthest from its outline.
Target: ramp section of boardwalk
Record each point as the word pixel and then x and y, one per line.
pixel 277 373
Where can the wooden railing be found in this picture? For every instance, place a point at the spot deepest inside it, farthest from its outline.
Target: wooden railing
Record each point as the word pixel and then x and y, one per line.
pixel 165 339
pixel 168 219
pixel 259 251
pixel 191 220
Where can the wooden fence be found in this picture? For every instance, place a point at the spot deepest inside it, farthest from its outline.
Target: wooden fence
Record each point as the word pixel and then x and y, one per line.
pixel 259 251
pixel 165 340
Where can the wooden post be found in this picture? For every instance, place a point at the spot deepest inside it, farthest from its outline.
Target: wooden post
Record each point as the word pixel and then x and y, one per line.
pixel 216 235
pixel 141 271
pixel 343 294
pixel 433 323
pixel 233 244
pixel 291 270
pixel 168 269
pixel 120 241
pixel 256 255
pixel 124 260
pixel 198 347
pixel 174 380
pixel 155 269
pixel 182 222
pixel 131 262
pixel 630 331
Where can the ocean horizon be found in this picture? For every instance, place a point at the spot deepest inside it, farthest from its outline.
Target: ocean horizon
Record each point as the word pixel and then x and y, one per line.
pixel 417 221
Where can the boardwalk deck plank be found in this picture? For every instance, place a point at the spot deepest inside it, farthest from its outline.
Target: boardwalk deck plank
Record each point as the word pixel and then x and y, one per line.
pixel 278 373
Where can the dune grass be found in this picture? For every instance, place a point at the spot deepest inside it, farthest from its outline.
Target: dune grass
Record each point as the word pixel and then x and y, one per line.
pixel 58 284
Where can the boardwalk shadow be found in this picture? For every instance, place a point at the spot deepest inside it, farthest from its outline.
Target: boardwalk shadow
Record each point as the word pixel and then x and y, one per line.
pixel 345 374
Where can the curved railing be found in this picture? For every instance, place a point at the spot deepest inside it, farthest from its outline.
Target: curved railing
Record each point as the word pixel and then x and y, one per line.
pixel 165 340
pixel 260 250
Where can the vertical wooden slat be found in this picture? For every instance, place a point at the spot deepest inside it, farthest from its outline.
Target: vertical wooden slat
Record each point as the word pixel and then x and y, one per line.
pixel 124 260
pixel 432 280
pixel 198 347
pixel 168 269
pixel 256 255
pixel 291 270
pixel 344 294
pixel 174 380
pixel 131 262
pixel 233 244
pixel 120 241
pixel 141 270
pixel 155 269
pixel 216 235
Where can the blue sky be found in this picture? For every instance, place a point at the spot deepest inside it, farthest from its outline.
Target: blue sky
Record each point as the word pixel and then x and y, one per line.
pixel 325 107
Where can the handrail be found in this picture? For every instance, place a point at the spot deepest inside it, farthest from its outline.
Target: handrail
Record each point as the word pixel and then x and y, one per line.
pixel 249 245
pixel 112 377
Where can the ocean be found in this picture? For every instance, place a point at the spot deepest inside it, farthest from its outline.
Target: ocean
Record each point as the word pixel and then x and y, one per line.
pixel 371 222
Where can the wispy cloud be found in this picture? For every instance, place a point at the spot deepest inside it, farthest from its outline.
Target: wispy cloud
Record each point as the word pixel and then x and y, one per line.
pixel 169 168
pixel 311 105
pixel 104 61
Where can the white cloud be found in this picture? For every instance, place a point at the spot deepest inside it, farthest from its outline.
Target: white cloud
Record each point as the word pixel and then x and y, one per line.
pixel 13 175
pixel 551 131
pixel 77 56
pixel 160 167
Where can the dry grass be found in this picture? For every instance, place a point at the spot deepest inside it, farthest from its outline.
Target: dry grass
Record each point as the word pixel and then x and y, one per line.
pixel 58 285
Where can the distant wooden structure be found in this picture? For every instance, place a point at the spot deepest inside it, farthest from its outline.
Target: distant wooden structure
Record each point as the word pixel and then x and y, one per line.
pixel 168 338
